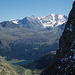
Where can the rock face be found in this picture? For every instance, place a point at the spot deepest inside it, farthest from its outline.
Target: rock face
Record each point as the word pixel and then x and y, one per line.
pixel 64 63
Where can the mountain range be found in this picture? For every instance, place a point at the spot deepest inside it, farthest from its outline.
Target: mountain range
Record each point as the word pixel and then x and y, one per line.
pixel 48 40
pixel 50 20
pixel 28 38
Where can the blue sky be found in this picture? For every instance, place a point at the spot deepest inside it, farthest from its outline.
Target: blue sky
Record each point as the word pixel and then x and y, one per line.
pixel 18 9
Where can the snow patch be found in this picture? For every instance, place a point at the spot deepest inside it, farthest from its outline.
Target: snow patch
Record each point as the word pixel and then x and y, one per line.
pixel 58 67
pixel 74 57
pixel 71 49
pixel 66 59
pixel 73 65
pixel 60 16
pixel 16 22
pixel 71 26
pixel 70 29
pixel 70 57
pixel 72 44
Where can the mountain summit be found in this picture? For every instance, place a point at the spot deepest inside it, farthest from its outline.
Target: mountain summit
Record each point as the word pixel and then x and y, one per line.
pixel 30 22
pixel 53 20
pixel 64 62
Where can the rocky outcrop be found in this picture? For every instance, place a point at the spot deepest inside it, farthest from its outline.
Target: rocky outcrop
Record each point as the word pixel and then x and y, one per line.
pixel 64 62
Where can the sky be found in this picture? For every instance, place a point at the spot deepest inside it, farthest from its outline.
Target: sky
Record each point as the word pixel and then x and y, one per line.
pixel 19 9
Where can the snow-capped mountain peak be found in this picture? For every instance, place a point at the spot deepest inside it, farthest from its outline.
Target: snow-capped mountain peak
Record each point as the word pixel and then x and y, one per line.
pixel 60 16
pixel 53 20
pixel 32 16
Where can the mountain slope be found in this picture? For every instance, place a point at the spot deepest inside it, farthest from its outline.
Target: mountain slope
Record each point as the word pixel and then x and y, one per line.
pixel 5 68
pixel 27 43
pixel 8 69
pixel 64 62
pixel 31 22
